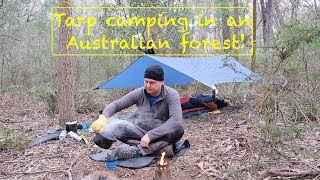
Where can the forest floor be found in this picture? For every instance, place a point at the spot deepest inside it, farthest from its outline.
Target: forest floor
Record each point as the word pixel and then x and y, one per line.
pixel 235 144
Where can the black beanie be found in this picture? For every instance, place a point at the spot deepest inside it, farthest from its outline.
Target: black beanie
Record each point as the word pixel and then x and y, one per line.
pixel 154 72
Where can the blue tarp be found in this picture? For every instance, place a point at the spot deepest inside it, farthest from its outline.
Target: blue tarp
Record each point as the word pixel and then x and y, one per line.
pixel 183 70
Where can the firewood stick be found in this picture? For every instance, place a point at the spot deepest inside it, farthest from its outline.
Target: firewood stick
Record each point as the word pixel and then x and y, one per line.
pixel 290 174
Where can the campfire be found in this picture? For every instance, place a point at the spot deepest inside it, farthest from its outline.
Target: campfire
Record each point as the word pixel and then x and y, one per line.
pixel 162 164
pixel 162 171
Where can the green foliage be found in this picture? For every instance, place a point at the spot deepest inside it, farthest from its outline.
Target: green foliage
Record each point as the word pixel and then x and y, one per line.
pixel 48 94
pixel 302 109
pixel 292 68
pixel 293 36
pixel 315 44
pixel 25 43
pixel 13 140
pixel 269 103
pixel 278 134
pixel 245 116
pixel 85 102
pixel 91 72
pixel 316 76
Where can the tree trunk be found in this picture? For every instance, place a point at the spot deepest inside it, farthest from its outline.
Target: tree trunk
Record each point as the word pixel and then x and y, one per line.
pixel 279 15
pixel 65 71
pixel 236 29
pixel 254 26
pixel 2 72
pixel 225 28
pixel 266 12
pixel 316 8
pixel 184 2
pixel 294 9
pixel 236 32
pixel 264 20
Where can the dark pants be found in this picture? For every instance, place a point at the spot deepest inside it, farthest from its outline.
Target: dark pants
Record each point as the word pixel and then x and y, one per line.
pixel 131 134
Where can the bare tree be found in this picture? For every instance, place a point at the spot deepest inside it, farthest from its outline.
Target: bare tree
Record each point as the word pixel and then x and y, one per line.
pixel 279 17
pixel 65 71
pixel 2 69
pixel 225 28
pixel 316 8
pixel 254 26
pixel 266 12
pixel 294 8
pixel 236 29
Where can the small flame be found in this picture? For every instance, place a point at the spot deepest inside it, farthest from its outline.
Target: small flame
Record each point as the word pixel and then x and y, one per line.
pixel 162 159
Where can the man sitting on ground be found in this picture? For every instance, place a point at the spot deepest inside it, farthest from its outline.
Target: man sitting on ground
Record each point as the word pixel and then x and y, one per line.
pixel 154 127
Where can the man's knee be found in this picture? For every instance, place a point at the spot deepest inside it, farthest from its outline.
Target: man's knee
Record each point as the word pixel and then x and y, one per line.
pixel 125 132
pixel 102 141
pixel 176 135
pixel 179 132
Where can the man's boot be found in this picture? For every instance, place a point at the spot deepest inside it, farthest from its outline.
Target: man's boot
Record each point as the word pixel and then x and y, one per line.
pixel 168 150
pixel 128 152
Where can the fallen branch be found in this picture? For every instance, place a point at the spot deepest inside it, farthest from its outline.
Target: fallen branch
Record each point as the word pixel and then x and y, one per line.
pixel 290 173
pixel 306 117
pixel 34 172
pixel 10 37
pixel 281 153
pixel 311 166
pixel 70 167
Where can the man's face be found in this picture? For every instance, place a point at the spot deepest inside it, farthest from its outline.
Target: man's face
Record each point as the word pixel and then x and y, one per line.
pixel 153 87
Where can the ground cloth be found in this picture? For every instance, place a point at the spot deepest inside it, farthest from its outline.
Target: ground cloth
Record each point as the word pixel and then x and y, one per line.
pixel 179 149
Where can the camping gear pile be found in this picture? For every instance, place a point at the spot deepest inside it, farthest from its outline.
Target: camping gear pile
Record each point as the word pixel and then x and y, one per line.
pixel 194 106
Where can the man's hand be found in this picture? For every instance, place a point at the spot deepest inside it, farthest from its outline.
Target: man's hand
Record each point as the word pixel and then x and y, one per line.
pixel 145 140
pixel 98 124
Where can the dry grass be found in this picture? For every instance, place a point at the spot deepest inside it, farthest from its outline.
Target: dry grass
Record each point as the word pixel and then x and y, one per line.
pixel 230 145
